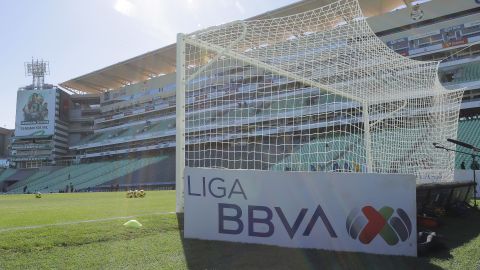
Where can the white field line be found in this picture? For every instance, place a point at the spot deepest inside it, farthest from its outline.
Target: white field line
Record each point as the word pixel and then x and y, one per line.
pixel 80 221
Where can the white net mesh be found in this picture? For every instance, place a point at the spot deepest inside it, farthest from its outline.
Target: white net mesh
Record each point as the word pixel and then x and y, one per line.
pixel 313 91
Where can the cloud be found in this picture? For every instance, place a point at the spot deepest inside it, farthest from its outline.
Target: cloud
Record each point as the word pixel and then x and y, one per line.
pixel 125 7
pixel 239 7
pixel 163 19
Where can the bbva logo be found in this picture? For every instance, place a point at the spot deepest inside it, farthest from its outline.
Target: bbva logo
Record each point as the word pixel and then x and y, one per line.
pixel 366 223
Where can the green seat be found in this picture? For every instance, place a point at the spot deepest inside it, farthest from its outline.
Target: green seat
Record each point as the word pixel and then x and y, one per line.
pixel 468 132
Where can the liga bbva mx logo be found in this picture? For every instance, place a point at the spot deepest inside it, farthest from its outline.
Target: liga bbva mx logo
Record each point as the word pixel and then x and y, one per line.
pixel 366 223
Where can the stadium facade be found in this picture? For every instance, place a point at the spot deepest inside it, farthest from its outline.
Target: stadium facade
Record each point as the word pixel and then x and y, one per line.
pixel 41 128
pixel 117 125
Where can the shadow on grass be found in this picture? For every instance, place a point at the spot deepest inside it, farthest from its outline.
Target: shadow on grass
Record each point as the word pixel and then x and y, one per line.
pixel 457 231
pixel 201 254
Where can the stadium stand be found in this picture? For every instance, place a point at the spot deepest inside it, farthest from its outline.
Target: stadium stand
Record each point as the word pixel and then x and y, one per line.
pixel 20 174
pixel 342 152
pixel 468 132
pixel 83 177
pixel 307 157
pixel 139 116
pixel 468 72
pixel 471 72
pixel 145 176
pixel 130 132
pixel 6 173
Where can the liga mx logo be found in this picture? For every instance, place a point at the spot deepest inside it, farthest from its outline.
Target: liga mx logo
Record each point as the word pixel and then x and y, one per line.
pixel 366 223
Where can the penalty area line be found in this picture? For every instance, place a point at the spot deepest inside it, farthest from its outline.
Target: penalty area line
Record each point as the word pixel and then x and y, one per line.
pixel 80 222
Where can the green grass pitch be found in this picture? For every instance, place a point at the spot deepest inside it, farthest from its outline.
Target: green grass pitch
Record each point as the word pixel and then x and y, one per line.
pixel 85 231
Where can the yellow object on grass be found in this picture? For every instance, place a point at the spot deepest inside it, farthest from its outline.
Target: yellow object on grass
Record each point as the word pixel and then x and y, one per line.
pixel 133 224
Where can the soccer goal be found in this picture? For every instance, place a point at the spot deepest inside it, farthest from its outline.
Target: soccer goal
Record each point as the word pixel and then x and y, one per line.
pixel 315 91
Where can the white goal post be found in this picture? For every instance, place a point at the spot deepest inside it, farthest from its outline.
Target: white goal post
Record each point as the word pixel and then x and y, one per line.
pixel 314 91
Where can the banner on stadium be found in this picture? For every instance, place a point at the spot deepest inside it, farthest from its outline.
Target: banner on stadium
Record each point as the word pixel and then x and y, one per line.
pixel 35 112
pixel 371 213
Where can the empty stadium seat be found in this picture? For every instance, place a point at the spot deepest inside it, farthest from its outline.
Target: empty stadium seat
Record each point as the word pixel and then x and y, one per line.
pixel 321 152
pixel 348 149
pixel 82 176
pixel 468 132
pixel 7 173
pixel 468 72
pixel 131 132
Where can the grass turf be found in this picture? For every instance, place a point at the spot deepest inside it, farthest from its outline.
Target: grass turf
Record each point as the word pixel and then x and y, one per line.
pixel 106 244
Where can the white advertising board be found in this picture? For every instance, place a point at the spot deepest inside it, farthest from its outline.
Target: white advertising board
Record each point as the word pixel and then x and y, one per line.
pixel 35 112
pixel 371 213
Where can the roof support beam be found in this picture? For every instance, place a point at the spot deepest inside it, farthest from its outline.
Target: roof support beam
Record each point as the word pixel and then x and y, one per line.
pixel 115 78
pixel 93 86
pixel 146 72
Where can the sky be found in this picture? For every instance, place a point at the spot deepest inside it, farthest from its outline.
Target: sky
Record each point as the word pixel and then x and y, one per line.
pixel 78 37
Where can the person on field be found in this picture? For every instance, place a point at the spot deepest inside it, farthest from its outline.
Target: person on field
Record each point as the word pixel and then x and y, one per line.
pixel 474 165
pixel 346 167
pixel 357 167
pixel 335 166
pixel 71 187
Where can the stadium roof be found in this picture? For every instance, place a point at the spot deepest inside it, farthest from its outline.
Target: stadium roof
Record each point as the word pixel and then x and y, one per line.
pixel 162 61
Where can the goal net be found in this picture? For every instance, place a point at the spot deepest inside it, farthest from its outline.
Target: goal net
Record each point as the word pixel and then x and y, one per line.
pixel 315 91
